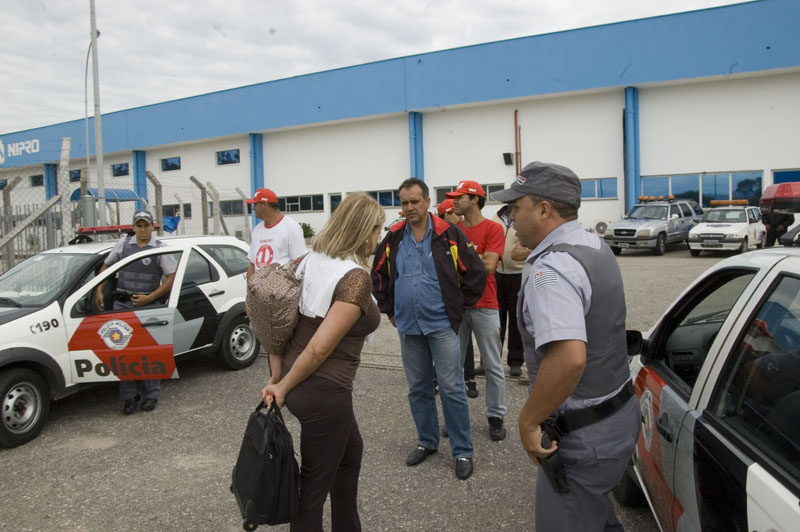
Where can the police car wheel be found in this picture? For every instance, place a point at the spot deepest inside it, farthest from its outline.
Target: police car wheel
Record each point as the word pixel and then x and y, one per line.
pixel 24 407
pixel 745 245
pixel 239 348
pixel 661 244
pixel 616 250
pixel 628 493
pixel 694 252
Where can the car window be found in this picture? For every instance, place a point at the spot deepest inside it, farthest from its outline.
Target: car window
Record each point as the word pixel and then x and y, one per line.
pixel 688 334
pixel 759 392
pixel 698 210
pixel 113 295
pixel 198 270
pixel 687 212
pixel 673 211
pixel 40 279
pixel 232 259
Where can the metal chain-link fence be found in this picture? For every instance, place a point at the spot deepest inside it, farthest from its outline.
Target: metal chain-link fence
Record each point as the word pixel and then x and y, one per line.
pixel 33 198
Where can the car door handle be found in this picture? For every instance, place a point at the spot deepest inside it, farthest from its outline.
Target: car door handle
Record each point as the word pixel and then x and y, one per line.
pixel 155 323
pixel 216 293
pixel 663 427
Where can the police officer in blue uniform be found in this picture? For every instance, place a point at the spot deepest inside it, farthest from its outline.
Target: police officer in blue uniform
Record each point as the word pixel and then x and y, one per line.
pixel 581 420
pixel 139 284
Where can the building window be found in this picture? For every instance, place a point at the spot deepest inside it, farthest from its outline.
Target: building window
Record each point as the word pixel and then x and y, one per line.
pixel 336 199
pixel 488 188
pixel 785 176
pixel 37 180
pixel 174 209
pixel 74 176
pixel 231 207
pixel 119 170
pixel 387 198
pixel 170 163
pixel 227 157
pixel 302 203
pixel 601 188
pixel 703 188
pixel 747 185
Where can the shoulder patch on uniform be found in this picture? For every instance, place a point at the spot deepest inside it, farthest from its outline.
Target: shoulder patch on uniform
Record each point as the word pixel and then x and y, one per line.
pixel 544 277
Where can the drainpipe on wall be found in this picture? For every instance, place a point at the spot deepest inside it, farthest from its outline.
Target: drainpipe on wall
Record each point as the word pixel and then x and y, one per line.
pixel 632 171
pixel 256 167
pixel 416 153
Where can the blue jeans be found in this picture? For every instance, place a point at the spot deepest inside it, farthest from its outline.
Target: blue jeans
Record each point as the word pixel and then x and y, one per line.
pixel 485 323
pixel 437 354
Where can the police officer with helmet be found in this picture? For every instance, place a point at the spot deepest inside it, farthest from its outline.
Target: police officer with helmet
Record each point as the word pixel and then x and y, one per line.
pixel 581 420
pixel 139 284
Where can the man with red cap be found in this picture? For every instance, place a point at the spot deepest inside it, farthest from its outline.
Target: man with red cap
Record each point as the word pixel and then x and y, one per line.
pixel 279 239
pixel 483 318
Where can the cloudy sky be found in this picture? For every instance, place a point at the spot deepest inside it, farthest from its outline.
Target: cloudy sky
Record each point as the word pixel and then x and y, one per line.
pixel 156 50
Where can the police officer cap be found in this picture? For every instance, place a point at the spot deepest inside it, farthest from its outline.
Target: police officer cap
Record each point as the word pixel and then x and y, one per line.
pixel 143 215
pixel 545 180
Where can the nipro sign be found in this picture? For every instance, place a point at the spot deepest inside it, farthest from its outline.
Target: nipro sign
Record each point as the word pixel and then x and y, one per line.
pixel 16 149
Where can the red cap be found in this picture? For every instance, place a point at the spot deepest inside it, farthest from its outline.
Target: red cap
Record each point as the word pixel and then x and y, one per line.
pixel 263 194
pixel 446 206
pixel 467 187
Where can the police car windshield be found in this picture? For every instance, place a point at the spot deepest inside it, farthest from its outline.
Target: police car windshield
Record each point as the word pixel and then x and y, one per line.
pixel 39 280
pixel 726 216
pixel 648 212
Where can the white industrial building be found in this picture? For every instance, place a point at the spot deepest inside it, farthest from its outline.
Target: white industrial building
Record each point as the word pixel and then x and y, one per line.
pixel 704 104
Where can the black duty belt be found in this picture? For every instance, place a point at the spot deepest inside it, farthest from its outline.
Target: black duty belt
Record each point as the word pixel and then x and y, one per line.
pixel 577 419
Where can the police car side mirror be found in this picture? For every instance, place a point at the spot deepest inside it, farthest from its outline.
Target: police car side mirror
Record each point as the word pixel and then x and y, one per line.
pixel 635 342
pixel 80 307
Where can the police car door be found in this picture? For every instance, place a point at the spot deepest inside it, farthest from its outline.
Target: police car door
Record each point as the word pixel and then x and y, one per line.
pixel 746 431
pixel 669 384
pixel 124 344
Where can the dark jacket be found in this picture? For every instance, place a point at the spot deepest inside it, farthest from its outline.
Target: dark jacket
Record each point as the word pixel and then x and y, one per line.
pixel 774 219
pixel 462 276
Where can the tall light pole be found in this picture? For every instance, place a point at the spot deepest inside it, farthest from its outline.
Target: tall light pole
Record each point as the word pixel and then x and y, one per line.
pixel 98 127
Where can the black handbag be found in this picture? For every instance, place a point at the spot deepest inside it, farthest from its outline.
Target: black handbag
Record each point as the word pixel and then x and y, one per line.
pixel 266 478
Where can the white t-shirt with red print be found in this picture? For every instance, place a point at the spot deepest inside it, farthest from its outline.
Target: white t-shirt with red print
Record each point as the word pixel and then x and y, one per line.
pixel 280 242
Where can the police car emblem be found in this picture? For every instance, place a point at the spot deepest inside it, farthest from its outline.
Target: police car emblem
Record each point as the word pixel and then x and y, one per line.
pixel 646 404
pixel 116 334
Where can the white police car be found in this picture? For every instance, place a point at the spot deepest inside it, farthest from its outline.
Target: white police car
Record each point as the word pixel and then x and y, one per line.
pixel 731 225
pixel 718 381
pixel 54 339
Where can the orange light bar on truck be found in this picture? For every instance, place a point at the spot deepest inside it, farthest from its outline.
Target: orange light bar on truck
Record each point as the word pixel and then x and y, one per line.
pixel 718 202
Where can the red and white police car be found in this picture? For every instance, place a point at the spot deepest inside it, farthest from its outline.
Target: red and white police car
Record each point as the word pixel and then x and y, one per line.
pixel 54 339
pixel 718 381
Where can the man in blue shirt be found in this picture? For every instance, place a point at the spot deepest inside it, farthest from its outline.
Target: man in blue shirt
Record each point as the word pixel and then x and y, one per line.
pixel 424 275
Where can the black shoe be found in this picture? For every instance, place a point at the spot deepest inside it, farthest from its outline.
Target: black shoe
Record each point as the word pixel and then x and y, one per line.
pixel 419 455
pixel 515 371
pixel 463 468
pixel 130 406
pixel 479 370
pixel 472 389
pixel 497 432
pixel 149 404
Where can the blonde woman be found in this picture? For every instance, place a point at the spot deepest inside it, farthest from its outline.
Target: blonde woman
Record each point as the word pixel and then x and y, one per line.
pixel 315 376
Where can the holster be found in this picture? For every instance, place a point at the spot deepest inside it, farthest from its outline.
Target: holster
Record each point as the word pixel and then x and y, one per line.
pixel 120 294
pixel 552 465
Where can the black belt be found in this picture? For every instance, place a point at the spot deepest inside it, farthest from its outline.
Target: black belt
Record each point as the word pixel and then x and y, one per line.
pixel 577 419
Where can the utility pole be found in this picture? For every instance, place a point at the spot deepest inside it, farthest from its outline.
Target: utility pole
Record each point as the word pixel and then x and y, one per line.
pixel 98 127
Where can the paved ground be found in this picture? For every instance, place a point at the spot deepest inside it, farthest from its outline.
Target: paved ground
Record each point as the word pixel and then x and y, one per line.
pixel 93 469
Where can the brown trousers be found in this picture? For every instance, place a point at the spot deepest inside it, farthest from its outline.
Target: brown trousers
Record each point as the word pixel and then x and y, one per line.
pixel 330 453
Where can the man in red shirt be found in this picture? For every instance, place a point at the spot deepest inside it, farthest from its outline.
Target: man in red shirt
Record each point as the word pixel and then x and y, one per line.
pixel 483 317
